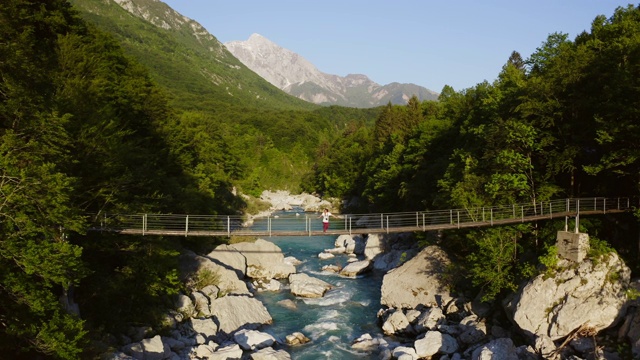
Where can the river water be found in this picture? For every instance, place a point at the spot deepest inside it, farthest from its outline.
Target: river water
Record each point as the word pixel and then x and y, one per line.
pixel 332 322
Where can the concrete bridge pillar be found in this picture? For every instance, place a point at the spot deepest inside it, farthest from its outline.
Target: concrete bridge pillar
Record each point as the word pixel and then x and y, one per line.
pixel 572 246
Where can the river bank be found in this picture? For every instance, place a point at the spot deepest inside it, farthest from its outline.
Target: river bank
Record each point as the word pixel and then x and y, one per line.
pixel 282 200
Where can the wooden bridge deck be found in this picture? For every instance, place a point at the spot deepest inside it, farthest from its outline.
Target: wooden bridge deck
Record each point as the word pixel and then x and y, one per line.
pixel 225 226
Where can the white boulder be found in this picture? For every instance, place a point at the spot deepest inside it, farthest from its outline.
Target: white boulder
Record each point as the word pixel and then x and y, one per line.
pixel 405 353
pixel 236 312
pixel 226 353
pixel 270 354
pixel 297 338
pixel 435 342
pixel 397 323
pixel 590 293
pixel 204 326
pixel 227 280
pixel 306 286
pixel 253 339
pixel 419 281
pixel 374 245
pixel 498 349
pixel 230 257
pixel 264 260
pixel 356 268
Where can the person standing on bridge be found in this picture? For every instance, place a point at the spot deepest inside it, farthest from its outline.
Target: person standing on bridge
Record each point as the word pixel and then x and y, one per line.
pixel 325 219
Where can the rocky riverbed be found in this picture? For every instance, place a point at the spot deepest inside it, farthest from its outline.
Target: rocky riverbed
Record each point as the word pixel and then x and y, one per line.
pixel 281 200
pixel 575 314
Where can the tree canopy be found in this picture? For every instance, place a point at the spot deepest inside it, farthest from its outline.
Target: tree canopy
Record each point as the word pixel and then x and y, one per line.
pixel 561 123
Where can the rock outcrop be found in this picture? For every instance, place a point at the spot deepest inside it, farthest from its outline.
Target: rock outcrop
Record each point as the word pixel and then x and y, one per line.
pixel 283 200
pixel 236 312
pixel 356 268
pixel 560 314
pixel 264 260
pixel 253 339
pixel 230 258
pixel 418 281
pixel 228 280
pixel 304 285
pixel 592 292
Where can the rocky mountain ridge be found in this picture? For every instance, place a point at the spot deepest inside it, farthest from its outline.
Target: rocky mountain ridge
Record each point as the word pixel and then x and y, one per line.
pixel 163 16
pixel 297 76
pixel 183 57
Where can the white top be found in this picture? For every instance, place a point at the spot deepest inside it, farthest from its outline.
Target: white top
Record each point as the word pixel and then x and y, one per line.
pixel 325 217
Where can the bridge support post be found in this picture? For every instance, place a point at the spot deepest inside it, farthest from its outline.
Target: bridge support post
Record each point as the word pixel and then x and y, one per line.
pixel 387 224
pixel 577 216
pixel 572 246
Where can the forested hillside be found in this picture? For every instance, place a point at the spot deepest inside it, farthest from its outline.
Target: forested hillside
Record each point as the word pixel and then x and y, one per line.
pixel 86 128
pixel 562 123
pixel 265 137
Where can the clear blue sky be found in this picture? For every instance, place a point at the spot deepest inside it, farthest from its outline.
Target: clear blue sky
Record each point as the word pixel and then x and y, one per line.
pixel 429 43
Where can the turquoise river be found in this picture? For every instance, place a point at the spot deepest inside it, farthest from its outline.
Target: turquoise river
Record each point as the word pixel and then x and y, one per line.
pixel 333 321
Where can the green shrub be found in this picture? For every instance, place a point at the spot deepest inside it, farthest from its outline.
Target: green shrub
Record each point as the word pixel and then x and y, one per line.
pixel 549 261
pixel 632 294
pixel 598 248
pixel 234 239
pixel 203 278
pixel 255 205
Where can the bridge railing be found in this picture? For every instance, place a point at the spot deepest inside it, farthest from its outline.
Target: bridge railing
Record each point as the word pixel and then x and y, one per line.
pixel 176 224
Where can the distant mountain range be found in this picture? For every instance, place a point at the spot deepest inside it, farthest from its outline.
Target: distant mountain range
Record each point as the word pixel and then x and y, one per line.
pixel 297 76
pixel 202 73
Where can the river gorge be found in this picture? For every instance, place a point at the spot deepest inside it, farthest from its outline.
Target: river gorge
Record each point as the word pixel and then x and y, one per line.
pixel 395 305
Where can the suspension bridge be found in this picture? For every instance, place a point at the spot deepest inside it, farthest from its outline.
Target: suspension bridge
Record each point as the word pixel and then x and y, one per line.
pixel 309 224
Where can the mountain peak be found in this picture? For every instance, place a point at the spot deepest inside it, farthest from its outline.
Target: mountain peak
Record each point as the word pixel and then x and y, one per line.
pixel 277 65
pixel 257 37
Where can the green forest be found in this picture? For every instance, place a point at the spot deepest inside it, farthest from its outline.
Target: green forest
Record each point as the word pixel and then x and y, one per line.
pixel 89 123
